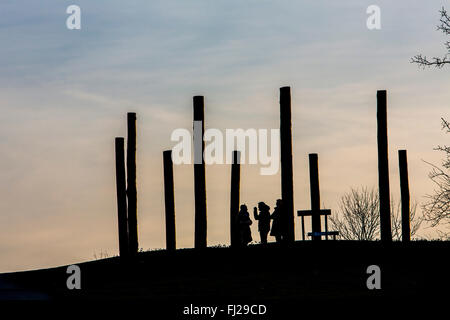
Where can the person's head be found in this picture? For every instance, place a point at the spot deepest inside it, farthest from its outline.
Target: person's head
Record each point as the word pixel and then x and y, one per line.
pixel 279 202
pixel 243 207
pixel 262 206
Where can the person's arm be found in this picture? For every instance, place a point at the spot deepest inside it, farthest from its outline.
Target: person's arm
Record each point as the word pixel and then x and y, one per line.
pixel 255 213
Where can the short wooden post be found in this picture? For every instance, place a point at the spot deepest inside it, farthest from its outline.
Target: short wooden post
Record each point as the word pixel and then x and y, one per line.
pixel 287 185
pixel 315 195
pixel 169 200
pixel 121 198
pixel 234 198
pixel 404 189
pixel 383 168
pixel 199 174
pixel 131 184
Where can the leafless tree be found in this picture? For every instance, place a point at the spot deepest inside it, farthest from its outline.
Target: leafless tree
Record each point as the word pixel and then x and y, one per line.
pixel 437 209
pixel 396 220
pixel 359 216
pixel 438 62
pixel 360 219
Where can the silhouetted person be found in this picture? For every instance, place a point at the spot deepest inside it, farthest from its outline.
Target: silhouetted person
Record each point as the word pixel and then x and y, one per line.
pixel 244 223
pixel 263 220
pixel 277 224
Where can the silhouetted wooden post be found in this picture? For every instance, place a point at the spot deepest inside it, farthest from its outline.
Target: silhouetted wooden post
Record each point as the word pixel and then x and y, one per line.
pixel 169 200
pixel 199 174
pixel 121 198
pixel 131 184
pixel 287 186
pixel 404 189
pixel 315 211
pixel 234 198
pixel 383 168
pixel 315 195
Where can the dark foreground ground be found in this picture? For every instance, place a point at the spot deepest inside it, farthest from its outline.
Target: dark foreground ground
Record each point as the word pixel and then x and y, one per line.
pixel 329 276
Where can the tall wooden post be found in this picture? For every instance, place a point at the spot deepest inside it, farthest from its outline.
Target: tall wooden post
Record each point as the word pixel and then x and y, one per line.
pixel 199 173
pixel 169 200
pixel 234 198
pixel 404 189
pixel 287 186
pixel 383 168
pixel 315 194
pixel 121 198
pixel 131 184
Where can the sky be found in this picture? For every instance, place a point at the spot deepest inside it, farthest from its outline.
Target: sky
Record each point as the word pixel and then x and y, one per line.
pixel 64 95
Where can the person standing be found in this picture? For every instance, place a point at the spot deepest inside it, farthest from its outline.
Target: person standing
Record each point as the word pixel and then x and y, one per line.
pixel 277 224
pixel 244 223
pixel 263 220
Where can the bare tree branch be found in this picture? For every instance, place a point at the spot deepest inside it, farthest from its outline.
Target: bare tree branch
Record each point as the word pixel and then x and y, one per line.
pixel 437 209
pixel 359 216
pixel 438 62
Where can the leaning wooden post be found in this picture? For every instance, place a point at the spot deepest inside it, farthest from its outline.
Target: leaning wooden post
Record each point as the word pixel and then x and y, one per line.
pixel 404 189
pixel 131 183
pixel 315 195
pixel 121 198
pixel 199 173
pixel 234 198
pixel 287 186
pixel 383 168
pixel 169 200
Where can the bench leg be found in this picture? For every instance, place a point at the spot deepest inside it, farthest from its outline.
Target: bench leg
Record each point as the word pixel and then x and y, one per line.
pixel 303 228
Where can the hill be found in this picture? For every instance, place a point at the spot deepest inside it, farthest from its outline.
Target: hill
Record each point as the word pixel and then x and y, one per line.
pixel 304 274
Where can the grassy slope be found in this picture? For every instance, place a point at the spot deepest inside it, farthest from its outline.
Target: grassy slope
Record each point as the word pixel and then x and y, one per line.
pixel 330 271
